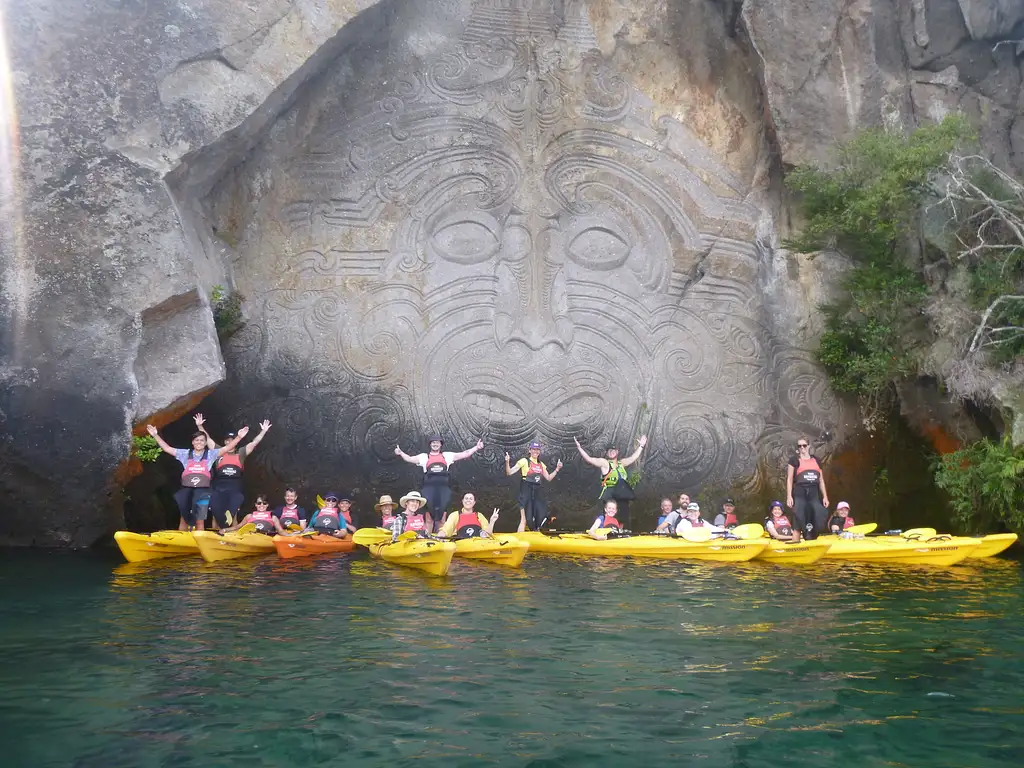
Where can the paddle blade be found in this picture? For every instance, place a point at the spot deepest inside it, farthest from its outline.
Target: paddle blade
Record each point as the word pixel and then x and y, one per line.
pixel 864 528
pixel 919 533
pixel 696 534
pixel 247 528
pixel 320 503
pixel 748 531
pixel 364 537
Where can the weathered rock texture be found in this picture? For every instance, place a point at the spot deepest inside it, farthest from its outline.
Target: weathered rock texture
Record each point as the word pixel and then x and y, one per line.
pixel 507 218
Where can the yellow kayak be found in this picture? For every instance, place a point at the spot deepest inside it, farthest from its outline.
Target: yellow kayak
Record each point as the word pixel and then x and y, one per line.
pixel 795 553
pixel 139 547
pixel 501 549
pixel 659 547
pixel 993 544
pixel 427 555
pixel 892 549
pixel 215 546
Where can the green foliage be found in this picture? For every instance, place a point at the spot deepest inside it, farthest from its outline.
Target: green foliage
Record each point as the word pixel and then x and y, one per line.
pixel 867 207
pixel 227 310
pixel 145 448
pixel 985 483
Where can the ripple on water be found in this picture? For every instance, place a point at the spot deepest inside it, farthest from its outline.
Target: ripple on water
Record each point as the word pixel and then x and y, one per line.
pixel 566 662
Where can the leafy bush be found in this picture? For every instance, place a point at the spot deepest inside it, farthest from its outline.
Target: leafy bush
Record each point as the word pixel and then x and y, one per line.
pixel 227 310
pixel 868 207
pixel 985 483
pixel 145 448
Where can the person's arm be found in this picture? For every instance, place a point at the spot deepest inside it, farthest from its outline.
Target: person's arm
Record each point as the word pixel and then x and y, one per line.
pixel 468 452
pixel 509 469
pixel 264 426
pixel 670 520
pixel 636 454
pixel 770 527
pixel 230 444
pixel 405 456
pixel 448 529
pixel 598 462
pixel 549 476
pixel 789 485
pixel 160 441
pixel 200 421
pixel 821 487
pixel 489 524
pixel 593 530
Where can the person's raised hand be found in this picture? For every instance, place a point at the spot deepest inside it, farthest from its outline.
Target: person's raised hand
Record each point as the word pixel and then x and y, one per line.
pixel 264 425
pixel 558 465
pixel 507 457
pixel 243 431
pixel 152 430
pixel 494 515
pixel 199 420
pixel 642 440
pixel 479 444
pixel 577 441
pixel 398 451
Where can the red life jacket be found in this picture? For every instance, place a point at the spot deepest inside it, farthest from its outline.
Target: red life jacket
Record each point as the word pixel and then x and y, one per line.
pixel 229 466
pixel 808 471
pixel 848 523
pixel 468 525
pixel 347 515
pixel 534 472
pixel 387 521
pixel 730 519
pixel 782 525
pixel 610 522
pixel 290 515
pixel 701 522
pixel 329 519
pixel 196 473
pixel 436 466
pixel 264 520
pixel 415 522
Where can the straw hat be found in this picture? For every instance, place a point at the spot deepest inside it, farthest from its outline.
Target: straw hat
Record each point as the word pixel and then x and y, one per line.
pixel 413 496
pixel 385 499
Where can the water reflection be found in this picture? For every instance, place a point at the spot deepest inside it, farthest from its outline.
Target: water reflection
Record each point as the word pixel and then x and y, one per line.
pixel 287 662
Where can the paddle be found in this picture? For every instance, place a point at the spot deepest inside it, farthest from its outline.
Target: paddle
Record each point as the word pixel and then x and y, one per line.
pixel 247 528
pixel 864 528
pixel 364 537
pixel 747 531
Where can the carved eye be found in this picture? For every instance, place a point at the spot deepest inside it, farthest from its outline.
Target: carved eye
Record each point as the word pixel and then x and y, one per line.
pixel 466 240
pixel 599 248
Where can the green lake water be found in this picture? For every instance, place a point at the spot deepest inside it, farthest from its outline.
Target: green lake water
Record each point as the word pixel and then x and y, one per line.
pixel 568 662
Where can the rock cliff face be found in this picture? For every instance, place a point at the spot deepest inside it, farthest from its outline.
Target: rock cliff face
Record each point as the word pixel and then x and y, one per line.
pixel 498 218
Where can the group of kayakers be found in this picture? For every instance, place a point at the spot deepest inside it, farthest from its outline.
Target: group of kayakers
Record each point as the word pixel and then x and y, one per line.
pixel 212 488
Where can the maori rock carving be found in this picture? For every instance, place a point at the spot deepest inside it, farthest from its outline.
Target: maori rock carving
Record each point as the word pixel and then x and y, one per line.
pixel 508 243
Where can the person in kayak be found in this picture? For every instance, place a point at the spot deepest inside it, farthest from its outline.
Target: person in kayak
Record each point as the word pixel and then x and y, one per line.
pixel 227 493
pixel 193 498
pixel 329 520
pixel 262 518
pixel 435 465
pixel 805 491
pixel 609 518
pixel 533 509
pixel 345 507
pixel 467 523
pixel 778 525
pixel 664 510
pixel 727 519
pixel 614 478
pixel 841 520
pixel 668 525
pixel 290 514
pixel 410 518
pixel 692 520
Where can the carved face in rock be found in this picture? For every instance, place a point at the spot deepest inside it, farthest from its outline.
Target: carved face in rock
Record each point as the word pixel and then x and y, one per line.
pixel 507 244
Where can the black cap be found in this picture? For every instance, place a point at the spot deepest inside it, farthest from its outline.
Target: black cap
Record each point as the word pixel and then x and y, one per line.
pixel 229 435
pixel 730 502
pixel 435 438
pixel 332 496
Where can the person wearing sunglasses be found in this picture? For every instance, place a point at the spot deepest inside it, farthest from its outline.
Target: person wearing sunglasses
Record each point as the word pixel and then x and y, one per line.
pixel 805 491
pixel 262 518
pixel 330 520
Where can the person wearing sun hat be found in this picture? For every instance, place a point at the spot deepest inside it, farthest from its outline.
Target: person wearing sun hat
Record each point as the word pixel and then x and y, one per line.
pixel 533 509
pixel 410 518
pixel 841 520
pixel 435 466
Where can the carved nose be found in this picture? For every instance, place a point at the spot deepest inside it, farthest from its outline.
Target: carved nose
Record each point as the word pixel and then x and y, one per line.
pixel 536 331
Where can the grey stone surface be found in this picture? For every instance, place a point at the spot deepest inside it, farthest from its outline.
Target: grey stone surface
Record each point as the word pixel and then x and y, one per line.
pixel 433 208
pixel 992 18
pixel 500 235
